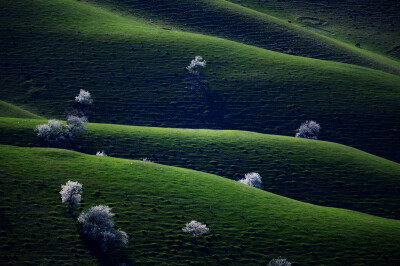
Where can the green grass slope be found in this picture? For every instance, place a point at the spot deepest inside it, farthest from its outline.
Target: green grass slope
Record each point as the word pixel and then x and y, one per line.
pixel 136 73
pixel 9 110
pixel 374 24
pixel 236 22
pixel 313 171
pixel 153 202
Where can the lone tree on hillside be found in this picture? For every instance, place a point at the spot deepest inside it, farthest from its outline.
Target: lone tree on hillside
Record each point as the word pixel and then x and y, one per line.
pixel 71 194
pixel 196 228
pixel 279 262
pixel 196 82
pixel 198 61
pixel 54 133
pixel 252 179
pixel 309 130
pixel 82 106
pixel 209 104
pixel 84 98
pixel 98 227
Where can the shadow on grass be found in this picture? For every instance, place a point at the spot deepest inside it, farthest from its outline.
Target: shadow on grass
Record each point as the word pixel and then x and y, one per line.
pixel 114 256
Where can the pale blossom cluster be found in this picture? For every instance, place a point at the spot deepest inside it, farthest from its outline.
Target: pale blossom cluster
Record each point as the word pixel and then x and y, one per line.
pixel 71 194
pixel 196 228
pixel 54 132
pixel 76 125
pixel 309 130
pixel 195 79
pixel 84 97
pixel 101 153
pixel 198 61
pixel 57 133
pixel 252 179
pixel 279 262
pixel 74 120
pixel 97 225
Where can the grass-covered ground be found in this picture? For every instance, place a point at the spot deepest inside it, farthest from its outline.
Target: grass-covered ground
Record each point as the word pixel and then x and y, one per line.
pixel 153 202
pixel 270 66
pixel 372 23
pixel 319 172
pixel 235 21
pixel 136 74
pixel 10 110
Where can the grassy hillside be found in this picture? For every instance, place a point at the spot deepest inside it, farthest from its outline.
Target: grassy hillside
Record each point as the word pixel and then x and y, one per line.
pixel 9 110
pixel 313 171
pixel 237 22
pixel 136 73
pixel 153 202
pixel 374 24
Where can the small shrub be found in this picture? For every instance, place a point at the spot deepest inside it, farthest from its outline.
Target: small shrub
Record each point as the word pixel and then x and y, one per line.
pixel 251 179
pixel 54 132
pixel 198 61
pixel 196 81
pixel 309 130
pixel 84 98
pixel 98 226
pixel 196 228
pixel 76 126
pixel 71 194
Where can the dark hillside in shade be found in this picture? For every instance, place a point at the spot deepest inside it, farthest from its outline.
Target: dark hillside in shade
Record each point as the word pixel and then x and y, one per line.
pixel 374 24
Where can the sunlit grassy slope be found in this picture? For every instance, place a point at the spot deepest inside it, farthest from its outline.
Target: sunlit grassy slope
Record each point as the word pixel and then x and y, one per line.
pixel 233 20
pixel 9 110
pixel 372 23
pixel 313 171
pixel 136 74
pixel 153 202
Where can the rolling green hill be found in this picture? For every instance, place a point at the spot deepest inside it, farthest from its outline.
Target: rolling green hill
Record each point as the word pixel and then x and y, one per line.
pixel 372 23
pixel 271 65
pixel 136 74
pixel 153 202
pixel 313 171
pixel 237 22
pixel 9 110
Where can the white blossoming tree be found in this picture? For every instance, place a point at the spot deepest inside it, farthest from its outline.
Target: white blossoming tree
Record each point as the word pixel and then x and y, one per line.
pixel 84 98
pixel 71 194
pixel 58 134
pixel 196 228
pixel 76 126
pixel 309 130
pixel 198 61
pixel 98 226
pixel 251 179
pixel 54 132
pixel 196 82
pixel 279 262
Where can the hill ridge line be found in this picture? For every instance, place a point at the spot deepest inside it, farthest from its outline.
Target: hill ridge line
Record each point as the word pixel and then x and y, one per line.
pixel 388 65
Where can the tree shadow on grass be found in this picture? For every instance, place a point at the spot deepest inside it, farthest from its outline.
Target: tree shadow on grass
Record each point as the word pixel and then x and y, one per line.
pixel 114 256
